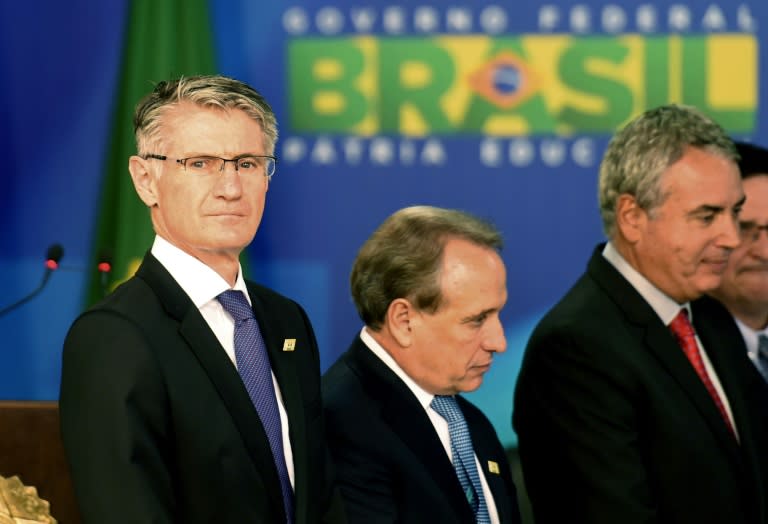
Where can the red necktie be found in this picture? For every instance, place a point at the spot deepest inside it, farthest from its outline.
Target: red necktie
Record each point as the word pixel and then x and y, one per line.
pixel 683 330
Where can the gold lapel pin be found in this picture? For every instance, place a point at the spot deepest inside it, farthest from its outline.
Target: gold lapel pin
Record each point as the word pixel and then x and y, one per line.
pixel 289 344
pixel 493 467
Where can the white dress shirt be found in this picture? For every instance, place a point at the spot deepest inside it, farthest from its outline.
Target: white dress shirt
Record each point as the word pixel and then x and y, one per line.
pixel 667 309
pixel 439 423
pixel 750 339
pixel 203 285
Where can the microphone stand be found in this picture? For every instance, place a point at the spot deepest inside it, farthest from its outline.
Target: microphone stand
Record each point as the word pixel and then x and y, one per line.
pixel 29 297
pixel 54 254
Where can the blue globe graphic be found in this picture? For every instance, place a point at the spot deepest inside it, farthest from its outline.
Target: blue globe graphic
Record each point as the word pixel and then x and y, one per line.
pixel 507 79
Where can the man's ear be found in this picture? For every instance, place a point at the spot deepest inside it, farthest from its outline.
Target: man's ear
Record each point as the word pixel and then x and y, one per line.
pixel 399 321
pixel 143 180
pixel 630 218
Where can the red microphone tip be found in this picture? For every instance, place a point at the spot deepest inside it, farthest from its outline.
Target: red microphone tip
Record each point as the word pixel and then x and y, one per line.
pixel 104 267
pixel 51 264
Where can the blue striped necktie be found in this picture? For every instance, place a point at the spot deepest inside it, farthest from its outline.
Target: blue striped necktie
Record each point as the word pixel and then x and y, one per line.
pixel 463 454
pixel 256 372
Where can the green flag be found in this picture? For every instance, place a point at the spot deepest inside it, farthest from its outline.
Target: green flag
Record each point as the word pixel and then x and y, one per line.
pixel 164 39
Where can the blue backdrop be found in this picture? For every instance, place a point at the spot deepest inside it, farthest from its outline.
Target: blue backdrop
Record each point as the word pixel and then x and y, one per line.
pixel 500 110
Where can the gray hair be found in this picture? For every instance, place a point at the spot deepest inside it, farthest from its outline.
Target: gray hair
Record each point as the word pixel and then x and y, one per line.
pixel 214 91
pixel 639 154
pixel 402 258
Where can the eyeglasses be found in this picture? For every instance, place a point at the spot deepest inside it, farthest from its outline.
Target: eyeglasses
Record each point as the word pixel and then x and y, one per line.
pixel 750 231
pixel 211 165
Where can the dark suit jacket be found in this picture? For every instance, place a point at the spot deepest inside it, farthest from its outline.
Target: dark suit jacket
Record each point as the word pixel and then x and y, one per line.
pixel 615 426
pixel 157 424
pixel 390 464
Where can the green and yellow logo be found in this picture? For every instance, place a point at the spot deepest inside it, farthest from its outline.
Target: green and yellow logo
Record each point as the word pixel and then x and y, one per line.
pixel 531 84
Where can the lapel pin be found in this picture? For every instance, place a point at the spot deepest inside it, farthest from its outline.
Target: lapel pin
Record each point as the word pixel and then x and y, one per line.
pixel 289 344
pixel 493 467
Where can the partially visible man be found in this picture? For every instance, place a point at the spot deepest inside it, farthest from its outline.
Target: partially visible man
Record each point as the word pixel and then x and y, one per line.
pixel 191 395
pixel 429 285
pixel 744 289
pixel 631 405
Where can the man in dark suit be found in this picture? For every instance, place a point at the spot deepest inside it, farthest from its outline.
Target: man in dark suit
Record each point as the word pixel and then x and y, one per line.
pixel 744 289
pixel 429 285
pixel 624 413
pixel 158 424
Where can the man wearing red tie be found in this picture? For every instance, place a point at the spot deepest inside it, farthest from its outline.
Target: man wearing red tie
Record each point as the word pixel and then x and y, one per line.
pixel 635 402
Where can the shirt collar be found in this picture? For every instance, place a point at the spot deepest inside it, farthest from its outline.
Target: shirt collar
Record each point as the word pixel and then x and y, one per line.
pixel 750 336
pixel 664 306
pixel 424 397
pixel 198 280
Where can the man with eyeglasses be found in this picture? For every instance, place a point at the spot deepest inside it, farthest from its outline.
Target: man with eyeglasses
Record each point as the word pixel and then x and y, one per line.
pixel 191 394
pixel 744 288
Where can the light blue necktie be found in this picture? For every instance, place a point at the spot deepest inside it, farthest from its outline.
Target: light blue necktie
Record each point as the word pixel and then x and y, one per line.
pixel 256 372
pixel 762 355
pixel 463 454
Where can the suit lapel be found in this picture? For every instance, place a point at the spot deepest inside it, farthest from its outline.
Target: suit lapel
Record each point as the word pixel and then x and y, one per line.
pixel 408 420
pixel 661 343
pixel 743 385
pixel 658 340
pixel 217 365
pixel 486 448
pixel 726 350
pixel 277 338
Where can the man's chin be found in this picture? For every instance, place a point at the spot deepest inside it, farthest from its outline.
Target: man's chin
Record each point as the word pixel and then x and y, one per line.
pixel 472 384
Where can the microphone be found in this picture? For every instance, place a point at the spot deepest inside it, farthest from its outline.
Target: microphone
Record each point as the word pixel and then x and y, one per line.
pixel 104 266
pixel 52 258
